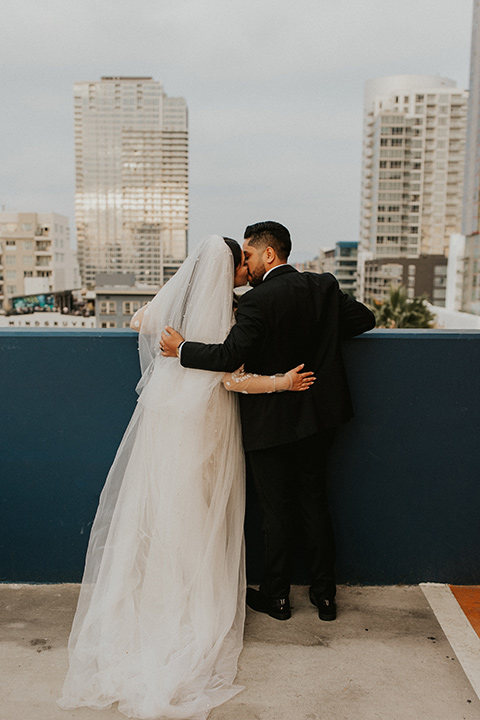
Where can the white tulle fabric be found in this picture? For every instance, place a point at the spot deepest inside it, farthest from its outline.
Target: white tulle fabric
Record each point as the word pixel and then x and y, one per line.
pixel 160 616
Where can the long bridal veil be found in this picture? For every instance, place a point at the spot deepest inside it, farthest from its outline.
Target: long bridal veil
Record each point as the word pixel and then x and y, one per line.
pixel 160 615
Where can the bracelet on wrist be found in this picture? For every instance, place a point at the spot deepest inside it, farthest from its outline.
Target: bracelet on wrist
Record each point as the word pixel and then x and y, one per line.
pixel 281 375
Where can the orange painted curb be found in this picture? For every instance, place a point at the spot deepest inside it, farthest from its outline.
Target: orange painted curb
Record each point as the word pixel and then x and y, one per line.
pixel 468 597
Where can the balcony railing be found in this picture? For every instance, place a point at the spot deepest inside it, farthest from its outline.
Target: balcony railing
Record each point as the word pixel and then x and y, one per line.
pixel 403 474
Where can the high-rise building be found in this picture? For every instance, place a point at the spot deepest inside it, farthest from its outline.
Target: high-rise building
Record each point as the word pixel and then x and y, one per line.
pixel 471 199
pixel 413 165
pixel 35 255
pixel 131 159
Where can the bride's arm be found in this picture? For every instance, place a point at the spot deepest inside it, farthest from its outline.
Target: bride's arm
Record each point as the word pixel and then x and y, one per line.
pixel 137 318
pixel 249 383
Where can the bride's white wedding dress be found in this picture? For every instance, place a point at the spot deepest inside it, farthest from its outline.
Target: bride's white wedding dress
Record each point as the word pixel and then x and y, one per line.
pixel 159 622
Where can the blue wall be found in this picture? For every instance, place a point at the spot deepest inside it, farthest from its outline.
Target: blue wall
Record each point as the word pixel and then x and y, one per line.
pixel 405 481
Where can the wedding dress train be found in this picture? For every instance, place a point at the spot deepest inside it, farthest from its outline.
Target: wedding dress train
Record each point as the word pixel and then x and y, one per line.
pixel 160 615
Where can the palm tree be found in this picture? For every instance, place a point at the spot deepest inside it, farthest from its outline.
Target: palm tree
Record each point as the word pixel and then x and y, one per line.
pixel 398 311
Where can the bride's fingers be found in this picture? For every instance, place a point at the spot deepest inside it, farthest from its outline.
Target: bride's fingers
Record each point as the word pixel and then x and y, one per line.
pixel 298 368
pixel 297 371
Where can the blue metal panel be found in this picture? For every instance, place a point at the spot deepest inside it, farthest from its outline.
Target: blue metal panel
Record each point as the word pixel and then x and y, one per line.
pixel 66 398
pixel 404 473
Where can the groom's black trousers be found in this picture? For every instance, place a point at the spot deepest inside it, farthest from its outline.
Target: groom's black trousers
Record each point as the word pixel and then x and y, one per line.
pixel 288 475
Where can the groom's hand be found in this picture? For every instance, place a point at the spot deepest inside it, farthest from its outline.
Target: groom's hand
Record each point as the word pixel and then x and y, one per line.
pixel 170 342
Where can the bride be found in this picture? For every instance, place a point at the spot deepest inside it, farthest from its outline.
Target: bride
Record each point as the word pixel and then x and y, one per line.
pixel 159 621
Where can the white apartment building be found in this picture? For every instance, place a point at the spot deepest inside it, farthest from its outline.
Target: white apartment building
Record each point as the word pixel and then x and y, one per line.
pixel 471 198
pixel 131 159
pixel 471 195
pixel 455 273
pixel 35 255
pixel 413 165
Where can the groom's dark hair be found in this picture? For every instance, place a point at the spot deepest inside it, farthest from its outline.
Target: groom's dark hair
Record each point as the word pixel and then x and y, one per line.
pixel 269 233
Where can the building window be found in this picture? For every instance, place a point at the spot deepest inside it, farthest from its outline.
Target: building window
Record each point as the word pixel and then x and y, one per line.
pixel 11 260
pixel 108 307
pixel 27 273
pixel 108 324
pixel 10 243
pixel 11 289
pixel 126 323
pixel 11 274
pixel 130 306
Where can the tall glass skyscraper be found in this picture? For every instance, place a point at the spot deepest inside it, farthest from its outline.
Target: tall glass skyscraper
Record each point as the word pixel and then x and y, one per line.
pixel 131 159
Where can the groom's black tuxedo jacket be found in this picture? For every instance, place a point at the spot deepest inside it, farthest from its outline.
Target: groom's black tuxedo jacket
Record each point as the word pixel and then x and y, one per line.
pixel 289 319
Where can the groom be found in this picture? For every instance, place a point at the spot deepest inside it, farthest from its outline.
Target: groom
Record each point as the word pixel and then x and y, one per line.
pixel 287 319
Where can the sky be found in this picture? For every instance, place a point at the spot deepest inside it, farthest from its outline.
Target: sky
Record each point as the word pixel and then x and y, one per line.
pixel 274 90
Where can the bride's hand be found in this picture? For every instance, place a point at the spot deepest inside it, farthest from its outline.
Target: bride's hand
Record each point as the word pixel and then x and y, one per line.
pixel 170 340
pixel 299 380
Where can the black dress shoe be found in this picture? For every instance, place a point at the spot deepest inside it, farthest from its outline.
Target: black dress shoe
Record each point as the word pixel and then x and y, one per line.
pixel 278 609
pixel 327 608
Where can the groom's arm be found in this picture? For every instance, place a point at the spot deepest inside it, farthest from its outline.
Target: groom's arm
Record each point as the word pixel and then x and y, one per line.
pixel 231 354
pixel 355 318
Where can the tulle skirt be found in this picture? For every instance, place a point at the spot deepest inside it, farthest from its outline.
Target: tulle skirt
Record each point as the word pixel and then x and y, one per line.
pixel 160 616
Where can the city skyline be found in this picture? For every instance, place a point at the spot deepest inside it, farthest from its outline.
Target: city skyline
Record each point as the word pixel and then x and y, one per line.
pixel 275 97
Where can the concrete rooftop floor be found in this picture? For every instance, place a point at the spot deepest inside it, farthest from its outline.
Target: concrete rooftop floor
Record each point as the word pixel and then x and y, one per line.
pixel 389 655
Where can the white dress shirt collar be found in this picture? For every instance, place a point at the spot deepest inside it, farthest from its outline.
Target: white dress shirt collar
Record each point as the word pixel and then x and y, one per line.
pixel 274 268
